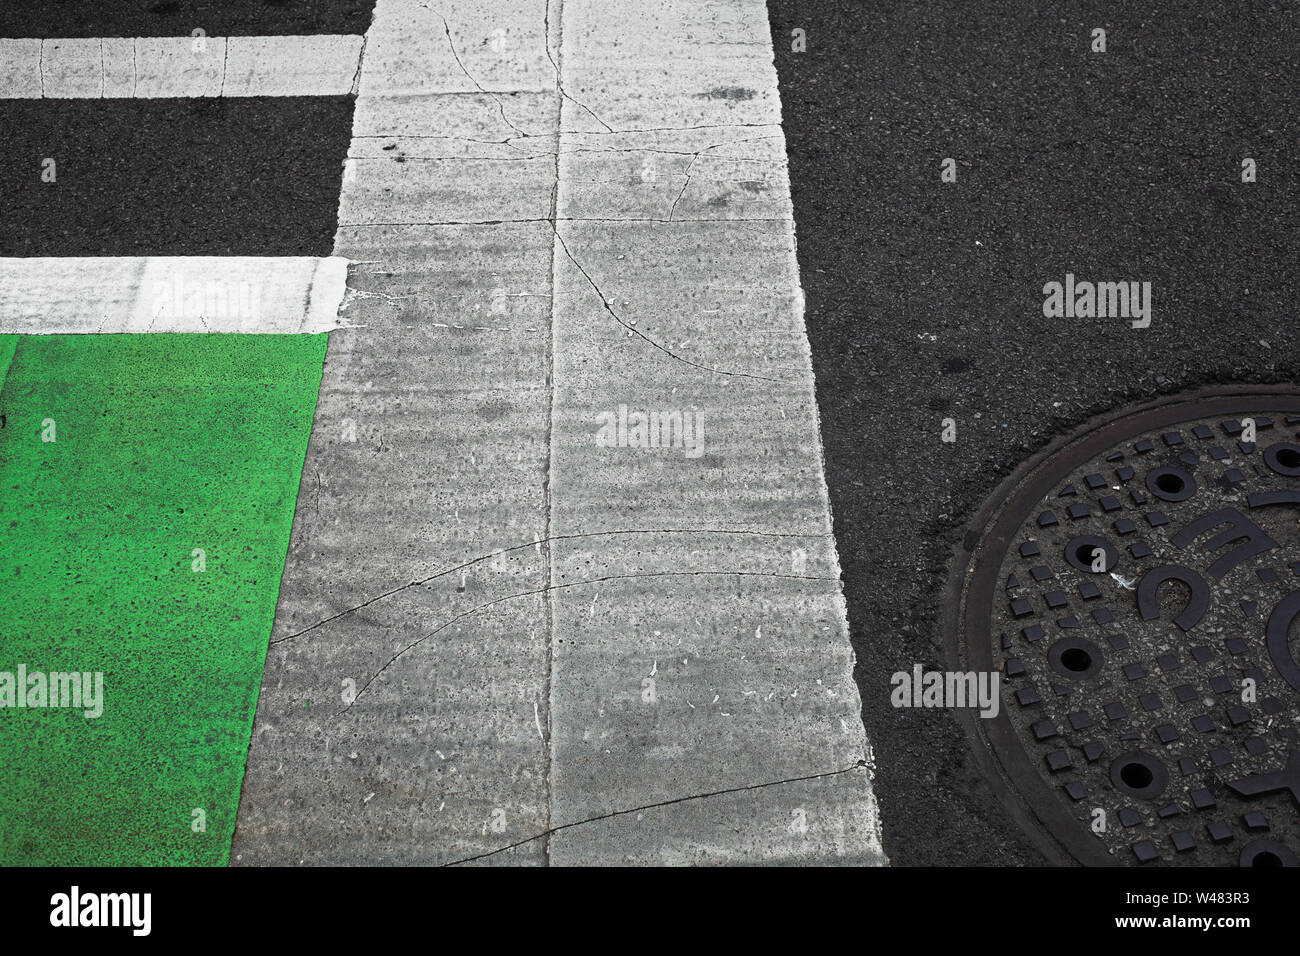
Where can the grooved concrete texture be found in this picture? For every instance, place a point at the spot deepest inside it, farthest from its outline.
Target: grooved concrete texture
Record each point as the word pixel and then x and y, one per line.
pixel 677 292
pixel 563 216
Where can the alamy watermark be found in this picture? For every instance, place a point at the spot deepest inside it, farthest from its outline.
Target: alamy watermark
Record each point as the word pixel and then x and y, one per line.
pixel 211 299
pixel 75 908
pixel 947 689
pixel 652 429
pixel 81 690
pixel 1101 300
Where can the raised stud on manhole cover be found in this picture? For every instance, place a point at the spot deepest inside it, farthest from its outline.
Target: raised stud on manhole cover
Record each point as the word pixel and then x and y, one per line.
pixel 1155 632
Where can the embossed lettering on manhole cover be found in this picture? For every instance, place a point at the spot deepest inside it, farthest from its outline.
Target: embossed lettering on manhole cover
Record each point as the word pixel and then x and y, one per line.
pixel 1138 588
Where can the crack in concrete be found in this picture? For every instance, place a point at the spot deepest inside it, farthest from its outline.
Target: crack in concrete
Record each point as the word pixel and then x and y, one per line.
pixel 605 303
pixel 559 79
pixel 452 44
pixel 637 332
pixel 695 158
pixel 672 210
pixel 533 544
pixel 860 765
pixel 558 587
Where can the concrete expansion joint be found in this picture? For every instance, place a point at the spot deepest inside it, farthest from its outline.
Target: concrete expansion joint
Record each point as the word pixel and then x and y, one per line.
pixel 559 77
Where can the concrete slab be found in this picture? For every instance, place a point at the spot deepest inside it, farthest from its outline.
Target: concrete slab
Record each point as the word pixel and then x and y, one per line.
pixel 463 164
pixel 413 598
pixel 417 48
pixel 427 454
pixel 503 638
pixel 20 68
pixel 686 664
pixel 716 172
pixel 761 824
pixel 291 66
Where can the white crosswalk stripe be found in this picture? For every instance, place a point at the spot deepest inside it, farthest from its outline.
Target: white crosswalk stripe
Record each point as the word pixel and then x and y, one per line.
pixel 149 67
pixel 574 652
pixel 250 294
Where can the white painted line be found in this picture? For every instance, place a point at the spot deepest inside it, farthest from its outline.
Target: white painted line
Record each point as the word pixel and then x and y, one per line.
pixel 150 67
pixel 249 294
pixel 675 259
pixel 580 629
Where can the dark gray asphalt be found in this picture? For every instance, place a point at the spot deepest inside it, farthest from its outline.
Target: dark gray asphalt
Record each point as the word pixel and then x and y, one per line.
pixel 193 176
pixel 187 177
pixel 1122 165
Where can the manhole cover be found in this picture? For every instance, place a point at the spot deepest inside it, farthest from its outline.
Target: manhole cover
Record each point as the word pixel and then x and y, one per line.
pixel 1138 588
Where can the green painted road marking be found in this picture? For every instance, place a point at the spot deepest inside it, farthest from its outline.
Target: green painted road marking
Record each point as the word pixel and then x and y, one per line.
pixel 7 345
pixel 163 444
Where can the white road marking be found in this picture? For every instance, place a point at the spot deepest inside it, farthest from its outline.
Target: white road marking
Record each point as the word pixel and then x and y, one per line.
pixel 146 67
pixel 616 178
pixel 677 290
pixel 250 294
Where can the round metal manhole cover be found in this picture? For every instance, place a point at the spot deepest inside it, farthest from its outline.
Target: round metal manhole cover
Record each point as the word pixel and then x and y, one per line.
pixel 1137 589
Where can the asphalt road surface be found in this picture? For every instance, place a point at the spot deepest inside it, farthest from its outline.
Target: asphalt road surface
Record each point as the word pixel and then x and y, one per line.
pixel 553 214
pixel 924 298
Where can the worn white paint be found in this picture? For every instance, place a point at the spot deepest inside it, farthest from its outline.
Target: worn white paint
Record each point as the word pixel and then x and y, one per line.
pixel 558 208
pixel 677 291
pixel 250 294
pixel 145 67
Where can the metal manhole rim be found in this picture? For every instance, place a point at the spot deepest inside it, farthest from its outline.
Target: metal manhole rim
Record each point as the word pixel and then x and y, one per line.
pixel 997 747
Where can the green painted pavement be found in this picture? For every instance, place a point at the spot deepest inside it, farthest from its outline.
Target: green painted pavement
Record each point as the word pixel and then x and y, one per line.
pixel 163 444
pixel 7 345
